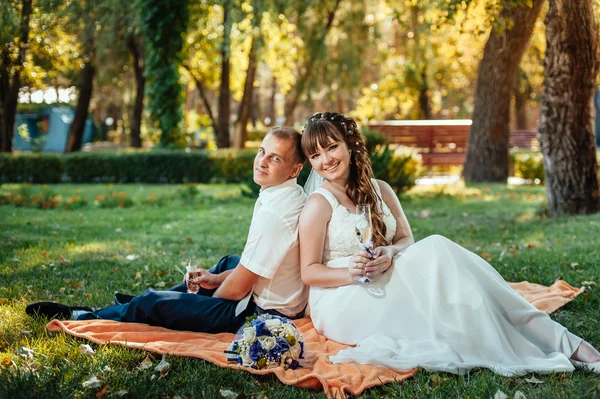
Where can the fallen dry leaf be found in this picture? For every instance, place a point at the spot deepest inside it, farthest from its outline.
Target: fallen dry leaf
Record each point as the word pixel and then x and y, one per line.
pixel 3 301
pixel 131 257
pixel 102 393
pixel 145 364
pixel 62 260
pixel 163 367
pixel 121 393
pixel 138 276
pixel 76 285
pixel 160 284
pixel 25 352
pixel 424 214
pixel 92 382
pixel 6 362
pixel 500 395
pixel 43 253
pixel 520 395
pixel 534 380
pixel 86 350
pixel 487 256
pixel 227 394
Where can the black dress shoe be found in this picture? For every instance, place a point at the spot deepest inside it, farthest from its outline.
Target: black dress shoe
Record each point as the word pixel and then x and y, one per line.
pixel 120 299
pixel 54 310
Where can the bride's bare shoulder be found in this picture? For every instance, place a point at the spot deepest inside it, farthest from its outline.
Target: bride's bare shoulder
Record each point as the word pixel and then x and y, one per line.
pixel 317 207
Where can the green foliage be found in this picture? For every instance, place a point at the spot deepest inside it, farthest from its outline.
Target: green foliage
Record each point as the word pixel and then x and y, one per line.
pixel 160 166
pixel 528 165
pixel 188 192
pixel 113 199
pixel 31 168
pixel 403 170
pixel 399 168
pixel 163 25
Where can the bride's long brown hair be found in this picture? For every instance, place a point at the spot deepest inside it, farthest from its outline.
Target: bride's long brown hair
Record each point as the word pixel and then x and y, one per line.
pixel 326 126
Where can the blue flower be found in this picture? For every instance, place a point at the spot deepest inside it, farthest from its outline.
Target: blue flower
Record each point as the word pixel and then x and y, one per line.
pixel 294 364
pixel 260 327
pixel 256 351
pixel 282 342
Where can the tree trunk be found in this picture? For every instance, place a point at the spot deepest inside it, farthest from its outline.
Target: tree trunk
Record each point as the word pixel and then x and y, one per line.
pixel 223 140
pixel 418 55
pixel 314 50
pixel 85 92
pixel 272 113
pixel 522 94
pixel 565 129
pixel 136 50
pixel 241 128
pixel 487 148
pixel 9 91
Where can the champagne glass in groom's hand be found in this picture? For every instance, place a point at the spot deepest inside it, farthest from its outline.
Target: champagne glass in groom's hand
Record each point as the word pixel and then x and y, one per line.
pixel 363 228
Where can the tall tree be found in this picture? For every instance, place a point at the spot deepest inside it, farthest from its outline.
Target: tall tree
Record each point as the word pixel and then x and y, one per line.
pixel 15 38
pixel 565 127
pixel 136 48
pixel 487 149
pixel 223 139
pixel 315 50
pixel 85 86
pixel 164 24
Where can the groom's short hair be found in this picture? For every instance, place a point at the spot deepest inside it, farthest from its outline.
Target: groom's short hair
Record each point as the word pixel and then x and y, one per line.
pixel 291 135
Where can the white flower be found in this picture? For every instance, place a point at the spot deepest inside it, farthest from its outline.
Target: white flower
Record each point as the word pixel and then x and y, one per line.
pixel 246 360
pixel 295 351
pixel 267 342
pixel 249 335
pixel 273 323
pixel 288 329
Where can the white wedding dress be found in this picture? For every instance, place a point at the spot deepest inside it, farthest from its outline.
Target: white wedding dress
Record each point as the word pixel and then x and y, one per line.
pixel 440 307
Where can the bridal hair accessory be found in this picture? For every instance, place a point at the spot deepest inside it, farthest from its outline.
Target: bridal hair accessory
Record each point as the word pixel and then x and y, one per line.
pixel 334 118
pixel 265 342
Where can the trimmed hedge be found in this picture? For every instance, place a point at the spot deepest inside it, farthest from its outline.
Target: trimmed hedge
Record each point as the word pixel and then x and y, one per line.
pixel 163 166
pixel 128 167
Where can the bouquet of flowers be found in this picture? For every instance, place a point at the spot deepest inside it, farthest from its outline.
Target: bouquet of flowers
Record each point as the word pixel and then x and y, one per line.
pixel 267 341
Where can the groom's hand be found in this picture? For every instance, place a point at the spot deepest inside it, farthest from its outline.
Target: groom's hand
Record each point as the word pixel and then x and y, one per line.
pixel 209 280
pixel 206 279
pixel 382 260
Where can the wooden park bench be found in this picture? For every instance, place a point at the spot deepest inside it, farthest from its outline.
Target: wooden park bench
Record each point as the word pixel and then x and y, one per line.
pixel 441 142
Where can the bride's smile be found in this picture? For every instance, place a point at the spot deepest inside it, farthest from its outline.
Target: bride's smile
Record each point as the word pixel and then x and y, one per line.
pixel 332 162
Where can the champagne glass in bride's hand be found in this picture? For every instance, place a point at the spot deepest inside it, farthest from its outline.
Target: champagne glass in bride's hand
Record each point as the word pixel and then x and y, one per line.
pixel 363 228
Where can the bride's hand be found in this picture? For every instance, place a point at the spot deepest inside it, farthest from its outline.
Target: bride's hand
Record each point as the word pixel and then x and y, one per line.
pixel 357 262
pixel 382 260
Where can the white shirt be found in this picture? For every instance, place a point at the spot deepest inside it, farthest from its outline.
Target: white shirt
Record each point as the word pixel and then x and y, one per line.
pixel 272 249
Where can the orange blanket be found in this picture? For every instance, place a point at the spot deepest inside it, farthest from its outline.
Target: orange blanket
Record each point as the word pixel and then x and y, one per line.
pixel 317 371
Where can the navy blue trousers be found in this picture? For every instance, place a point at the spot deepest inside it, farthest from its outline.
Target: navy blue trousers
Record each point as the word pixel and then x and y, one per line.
pixel 179 310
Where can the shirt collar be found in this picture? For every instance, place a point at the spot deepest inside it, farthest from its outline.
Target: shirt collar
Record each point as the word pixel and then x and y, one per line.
pixel 267 194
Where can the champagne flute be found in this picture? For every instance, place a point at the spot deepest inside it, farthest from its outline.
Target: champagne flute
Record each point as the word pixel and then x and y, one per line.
pixel 363 228
pixel 192 274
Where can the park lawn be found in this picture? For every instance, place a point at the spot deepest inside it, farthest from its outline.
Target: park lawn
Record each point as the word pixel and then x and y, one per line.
pixel 82 256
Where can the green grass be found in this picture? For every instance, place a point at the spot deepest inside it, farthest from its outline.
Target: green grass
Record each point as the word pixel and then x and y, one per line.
pixel 80 257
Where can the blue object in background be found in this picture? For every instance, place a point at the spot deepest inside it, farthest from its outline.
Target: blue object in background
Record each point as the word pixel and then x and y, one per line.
pixel 53 123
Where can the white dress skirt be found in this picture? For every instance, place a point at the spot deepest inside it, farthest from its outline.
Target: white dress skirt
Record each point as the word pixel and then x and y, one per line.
pixel 439 307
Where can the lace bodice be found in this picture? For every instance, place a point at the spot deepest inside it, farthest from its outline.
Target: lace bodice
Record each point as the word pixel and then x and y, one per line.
pixel 340 240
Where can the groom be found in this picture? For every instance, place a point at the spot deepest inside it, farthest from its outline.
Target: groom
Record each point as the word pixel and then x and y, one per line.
pixel 265 279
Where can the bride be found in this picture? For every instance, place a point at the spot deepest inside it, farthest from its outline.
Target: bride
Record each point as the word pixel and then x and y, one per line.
pixel 431 304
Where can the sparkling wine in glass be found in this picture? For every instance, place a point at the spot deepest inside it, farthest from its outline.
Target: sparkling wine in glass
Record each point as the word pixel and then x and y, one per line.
pixel 192 276
pixel 363 228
